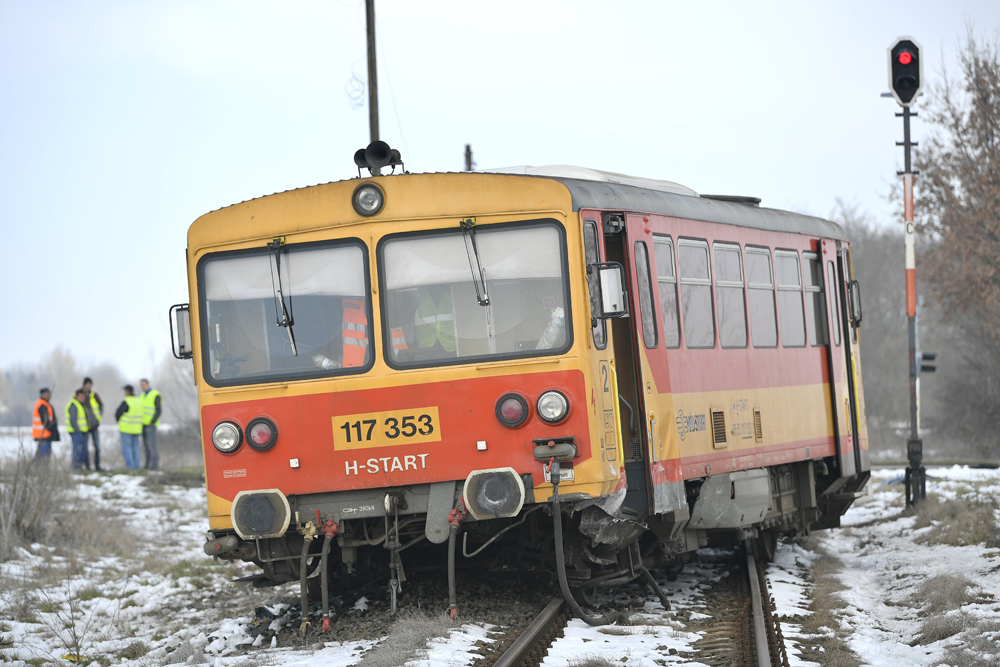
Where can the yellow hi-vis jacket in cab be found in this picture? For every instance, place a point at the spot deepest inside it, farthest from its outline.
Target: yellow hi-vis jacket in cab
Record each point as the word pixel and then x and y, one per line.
pixel 435 322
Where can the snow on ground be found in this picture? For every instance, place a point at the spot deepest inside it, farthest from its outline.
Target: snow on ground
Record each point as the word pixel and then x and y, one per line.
pixel 163 601
pixel 885 567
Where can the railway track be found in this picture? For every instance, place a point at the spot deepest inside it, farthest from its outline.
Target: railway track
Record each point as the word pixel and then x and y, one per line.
pixel 743 631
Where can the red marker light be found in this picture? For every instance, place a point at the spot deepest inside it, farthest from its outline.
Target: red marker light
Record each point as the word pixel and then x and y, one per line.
pixel 512 410
pixel 261 434
pixel 905 57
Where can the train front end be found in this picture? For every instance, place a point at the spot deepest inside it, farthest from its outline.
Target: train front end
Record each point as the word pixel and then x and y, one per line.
pixel 381 359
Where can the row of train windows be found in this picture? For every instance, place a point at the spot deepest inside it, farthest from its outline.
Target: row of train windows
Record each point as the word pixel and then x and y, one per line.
pixel 745 288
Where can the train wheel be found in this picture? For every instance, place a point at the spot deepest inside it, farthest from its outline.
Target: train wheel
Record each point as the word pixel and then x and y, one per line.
pixel 585 596
pixel 764 546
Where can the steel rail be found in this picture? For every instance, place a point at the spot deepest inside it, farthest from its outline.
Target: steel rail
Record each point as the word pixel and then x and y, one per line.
pixel 523 645
pixel 759 627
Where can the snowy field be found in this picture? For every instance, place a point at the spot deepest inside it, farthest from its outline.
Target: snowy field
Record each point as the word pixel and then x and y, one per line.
pixel 902 597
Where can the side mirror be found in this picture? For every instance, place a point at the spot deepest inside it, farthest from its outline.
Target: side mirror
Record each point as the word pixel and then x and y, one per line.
pixel 611 279
pixel 855 294
pixel 180 331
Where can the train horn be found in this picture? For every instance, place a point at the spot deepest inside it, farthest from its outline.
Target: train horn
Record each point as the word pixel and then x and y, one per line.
pixel 378 154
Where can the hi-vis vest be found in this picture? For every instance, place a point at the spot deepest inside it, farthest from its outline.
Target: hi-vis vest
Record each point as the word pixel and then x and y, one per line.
pixel 37 430
pixel 354 331
pixel 398 341
pixel 131 421
pixel 435 323
pixel 95 406
pixel 81 418
pixel 149 407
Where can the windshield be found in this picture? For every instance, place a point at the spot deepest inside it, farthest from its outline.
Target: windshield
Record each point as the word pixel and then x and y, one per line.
pixel 434 286
pixel 285 312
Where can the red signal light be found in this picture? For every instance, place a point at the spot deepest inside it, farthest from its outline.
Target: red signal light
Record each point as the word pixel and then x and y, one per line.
pixel 905 57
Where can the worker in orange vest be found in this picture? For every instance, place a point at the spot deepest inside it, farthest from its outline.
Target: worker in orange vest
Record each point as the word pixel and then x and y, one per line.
pixel 354 337
pixel 43 424
pixel 354 331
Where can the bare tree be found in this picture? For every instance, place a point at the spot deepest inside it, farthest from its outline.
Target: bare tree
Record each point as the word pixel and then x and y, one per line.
pixel 958 202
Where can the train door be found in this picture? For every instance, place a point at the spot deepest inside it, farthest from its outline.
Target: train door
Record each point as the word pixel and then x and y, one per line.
pixel 852 322
pixel 840 354
pixel 628 371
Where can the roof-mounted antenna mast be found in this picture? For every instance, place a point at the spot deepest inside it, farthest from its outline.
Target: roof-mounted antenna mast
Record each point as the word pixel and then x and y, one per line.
pixel 372 77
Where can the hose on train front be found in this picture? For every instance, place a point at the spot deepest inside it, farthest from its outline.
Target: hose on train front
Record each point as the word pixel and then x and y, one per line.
pixel 452 594
pixel 611 617
pixel 323 582
pixel 303 586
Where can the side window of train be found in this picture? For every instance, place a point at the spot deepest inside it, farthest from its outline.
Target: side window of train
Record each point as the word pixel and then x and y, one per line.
pixel 646 308
pixel 663 249
pixel 591 248
pixel 815 299
pixel 760 295
pixel 696 293
pixel 835 300
pixel 729 304
pixel 790 311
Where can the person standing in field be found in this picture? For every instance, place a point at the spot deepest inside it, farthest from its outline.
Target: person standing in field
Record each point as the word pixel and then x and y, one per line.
pixel 78 427
pixel 130 416
pixel 152 401
pixel 96 406
pixel 43 424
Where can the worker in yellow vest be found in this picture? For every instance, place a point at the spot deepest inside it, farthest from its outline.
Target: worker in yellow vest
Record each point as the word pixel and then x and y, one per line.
pixel 94 405
pixel 78 426
pixel 130 415
pixel 435 321
pixel 43 424
pixel 152 403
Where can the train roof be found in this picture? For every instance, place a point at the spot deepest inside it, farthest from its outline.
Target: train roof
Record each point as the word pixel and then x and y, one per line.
pixel 617 192
pixel 608 191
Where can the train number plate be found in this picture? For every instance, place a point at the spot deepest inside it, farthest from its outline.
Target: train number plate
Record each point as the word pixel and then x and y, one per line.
pixel 386 429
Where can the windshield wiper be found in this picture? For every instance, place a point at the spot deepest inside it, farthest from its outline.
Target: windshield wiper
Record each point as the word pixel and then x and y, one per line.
pixel 478 272
pixel 281 312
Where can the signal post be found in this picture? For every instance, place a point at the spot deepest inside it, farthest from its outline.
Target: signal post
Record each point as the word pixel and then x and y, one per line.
pixel 905 81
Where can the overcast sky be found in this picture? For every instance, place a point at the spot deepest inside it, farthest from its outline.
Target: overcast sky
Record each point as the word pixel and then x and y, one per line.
pixel 122 122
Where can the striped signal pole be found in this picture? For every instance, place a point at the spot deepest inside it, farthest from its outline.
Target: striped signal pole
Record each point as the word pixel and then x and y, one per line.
pixel 905 80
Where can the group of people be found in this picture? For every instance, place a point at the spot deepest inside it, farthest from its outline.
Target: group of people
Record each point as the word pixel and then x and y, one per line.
pixel 136 415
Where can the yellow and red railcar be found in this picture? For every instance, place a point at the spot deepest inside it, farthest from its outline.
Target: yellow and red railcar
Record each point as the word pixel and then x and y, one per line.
pixel 388 361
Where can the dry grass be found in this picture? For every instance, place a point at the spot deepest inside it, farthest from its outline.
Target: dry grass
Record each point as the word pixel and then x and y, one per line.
pixel 407 638
pixel 964 521
pixel 942 626
pixel 825 605
pixel 980 646
pixel 31 493
pixel 944 593
pixel 594 661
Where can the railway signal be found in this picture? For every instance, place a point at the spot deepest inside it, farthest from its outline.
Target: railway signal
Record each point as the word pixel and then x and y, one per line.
pixel 905 70
pixel 927 363
pixel 905 81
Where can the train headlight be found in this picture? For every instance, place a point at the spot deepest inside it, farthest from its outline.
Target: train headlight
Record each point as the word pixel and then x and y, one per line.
pixel 512 410
pixel 490 494
pixel 227 437
pixel 262 434
pixel 552 407
pixel 368 199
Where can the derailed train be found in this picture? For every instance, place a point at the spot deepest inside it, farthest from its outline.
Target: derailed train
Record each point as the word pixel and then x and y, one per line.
pixel 393 361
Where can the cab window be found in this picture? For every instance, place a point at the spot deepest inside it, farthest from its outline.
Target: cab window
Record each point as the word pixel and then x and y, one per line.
pixel 439 309
pixel 298 311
